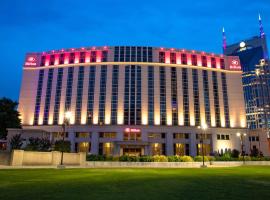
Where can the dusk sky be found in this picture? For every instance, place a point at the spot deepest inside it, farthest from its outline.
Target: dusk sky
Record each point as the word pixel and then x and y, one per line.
pixel 36 26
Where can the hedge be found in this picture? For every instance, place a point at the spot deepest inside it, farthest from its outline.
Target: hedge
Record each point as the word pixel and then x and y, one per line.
pixel 161 158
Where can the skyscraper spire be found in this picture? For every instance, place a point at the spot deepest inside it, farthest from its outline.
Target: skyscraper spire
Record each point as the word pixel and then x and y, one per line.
pixel 224 45
pixel 261 27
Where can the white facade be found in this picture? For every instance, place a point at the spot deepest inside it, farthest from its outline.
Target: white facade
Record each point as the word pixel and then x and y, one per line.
pixel 123 95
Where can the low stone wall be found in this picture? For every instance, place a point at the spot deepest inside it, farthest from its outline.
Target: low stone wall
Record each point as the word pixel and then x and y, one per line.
pixel 108 164
pixel 33 158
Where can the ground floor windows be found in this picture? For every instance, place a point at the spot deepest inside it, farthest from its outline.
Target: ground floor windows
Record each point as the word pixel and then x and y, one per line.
pixel 82 135
pixel 158 149
pixel 206 148
pixel 83 147
pixel 106 148
pixel 181 149
pixel 132 135
pixel 110 135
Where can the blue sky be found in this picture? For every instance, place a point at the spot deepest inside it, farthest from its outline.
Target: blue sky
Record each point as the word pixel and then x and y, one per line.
pixel 35 26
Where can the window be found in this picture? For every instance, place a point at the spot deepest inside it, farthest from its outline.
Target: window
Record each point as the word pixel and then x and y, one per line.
pixel 216 98
pixel 174 96
pixel 158 149
pixel 196 97
pixel 69 88
pixel 58 96
pixel 111 135
pixel 206 97
pixel 151 96
pixel 156 135
pixel 48 97
pixel 162 57
pixel 102 94
pixel 162 76
pixel 91 90
pixel 173 58
pixel 204 61
pixel 225 99
pixel 181 136
pixel 223 137
pixel 185 96
pixel 79 95
pixel 194 60
pixel 114 98
pixel 184 59
pixel 82 135
pixel 38 96
pixel 213 63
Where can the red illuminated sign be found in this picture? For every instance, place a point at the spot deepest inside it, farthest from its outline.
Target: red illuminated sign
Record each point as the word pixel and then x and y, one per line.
pixel 31 61
pixel 133 130
pixel 234 63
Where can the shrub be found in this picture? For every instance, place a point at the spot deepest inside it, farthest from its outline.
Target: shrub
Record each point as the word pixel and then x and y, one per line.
pixel 126 158
pixel 247 158
pixel 95 157
pixel 186 159
pixel 255 152
pixel 211 158
pixel 174 158
pixel 160 158
pixel 200 158
pixel 16 142
pixel 38 144
pixel 146 159
pixel 61 145
pixel 235 153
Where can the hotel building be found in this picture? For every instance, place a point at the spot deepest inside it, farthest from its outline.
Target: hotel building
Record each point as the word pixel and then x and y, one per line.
pixel 134 100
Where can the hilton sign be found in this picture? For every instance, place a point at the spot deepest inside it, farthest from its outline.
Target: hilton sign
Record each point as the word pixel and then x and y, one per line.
pixel 234 63
pixel 31 60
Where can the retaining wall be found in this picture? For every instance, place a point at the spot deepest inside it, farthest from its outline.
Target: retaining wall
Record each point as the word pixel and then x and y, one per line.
pixel 33 158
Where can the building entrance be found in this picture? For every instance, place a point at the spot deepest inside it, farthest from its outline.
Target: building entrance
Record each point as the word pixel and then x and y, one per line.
pixel 132 151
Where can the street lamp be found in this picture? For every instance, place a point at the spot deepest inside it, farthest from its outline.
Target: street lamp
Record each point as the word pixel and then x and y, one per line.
pixel 204 128
pixel 67 117
pixel 242 136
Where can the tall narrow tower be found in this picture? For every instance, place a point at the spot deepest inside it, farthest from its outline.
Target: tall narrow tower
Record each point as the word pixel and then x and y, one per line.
pixel 224 42
pixel 261 27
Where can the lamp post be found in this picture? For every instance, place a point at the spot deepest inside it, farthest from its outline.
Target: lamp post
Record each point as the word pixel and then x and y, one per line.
pixel 67 116
pixel 204 128
pixel 242 136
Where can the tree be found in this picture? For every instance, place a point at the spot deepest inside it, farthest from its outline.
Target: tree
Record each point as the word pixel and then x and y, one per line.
pixel 16 142
pixel 9 116
pixel 61 145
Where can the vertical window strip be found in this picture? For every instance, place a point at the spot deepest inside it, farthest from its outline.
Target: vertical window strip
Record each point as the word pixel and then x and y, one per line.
pixel 216 98
pixel 126 100
pixel 114 100
pixel 57 96
pixel 185 96
pixel 132 104
pixel 79 95
pixel 69 88
pixel 116 54
pixel 48 97
pixel 151 96
pixel 138 96
pixel 102 94
pixel 174 96
pixel 206 98
pixel 196 97
pixel 162 77
pixel 38 96
pixel 225 100
pixel 91 89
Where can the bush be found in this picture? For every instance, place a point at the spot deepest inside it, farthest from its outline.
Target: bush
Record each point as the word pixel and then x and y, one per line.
pixel 186 159
pixel 247 158
pixel 146 159
pixel 160 158
pixel 95 158
pixel 211 158
pixel 61 145
pixel 16 142
pixel 174 158
pixel 126 158
pixel 38 144
pixel 235 153
pixel 200 158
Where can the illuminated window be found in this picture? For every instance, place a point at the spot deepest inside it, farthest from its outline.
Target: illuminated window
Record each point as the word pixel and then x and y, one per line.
pixel 162 57
pixel 106 148
pixel 196 97
pixel 216 98
pixel 206 149
pixel 174 96
pixel 91 90
pixel 180 149
pixel 173 58
pixel 156 135
pixel 158 149
pixel 204 61
pixel 79 95
pixel 181 136
pixel 132 136
pixel 110 135
pixel 163 113
pixel 102 94
pixel 194 60
pixel 185 96
pixel 48 96
pixel 58 96
pixel 83 147
pixel 213 63
pixel 38 96
pixel 83 135
pixel 206 97
pixel 184 58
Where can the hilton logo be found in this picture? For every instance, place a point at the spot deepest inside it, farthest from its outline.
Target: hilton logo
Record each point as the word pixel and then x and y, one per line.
pixel 234 64
pixel 31 60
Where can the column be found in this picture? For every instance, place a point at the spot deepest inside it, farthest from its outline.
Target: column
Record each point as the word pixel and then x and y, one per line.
pixel 71 138
pixel 169 144
pixel 192 144
pixel 94 143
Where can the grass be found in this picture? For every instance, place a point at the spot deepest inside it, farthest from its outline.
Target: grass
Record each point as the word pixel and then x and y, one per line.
pixel 117 184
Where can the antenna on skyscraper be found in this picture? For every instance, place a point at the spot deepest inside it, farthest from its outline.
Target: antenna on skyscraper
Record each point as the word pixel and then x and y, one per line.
pixel 261 27
pixel 224 42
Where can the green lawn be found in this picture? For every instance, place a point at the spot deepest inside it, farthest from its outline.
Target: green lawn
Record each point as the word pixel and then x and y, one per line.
pixel 219 183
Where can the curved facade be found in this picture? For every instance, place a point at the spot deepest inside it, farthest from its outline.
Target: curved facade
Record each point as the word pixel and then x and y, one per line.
pixel 134 100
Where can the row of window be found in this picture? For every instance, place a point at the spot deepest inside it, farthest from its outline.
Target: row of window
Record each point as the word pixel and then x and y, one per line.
pixel 133 54
pixel 133 94
pixel 194 60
